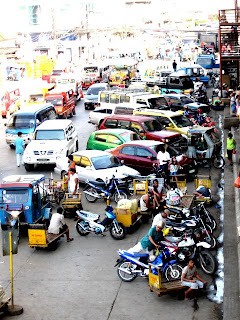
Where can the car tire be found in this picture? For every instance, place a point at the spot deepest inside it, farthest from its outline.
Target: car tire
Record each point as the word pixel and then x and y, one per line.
pixel 74 111
pixel 86 107
pixel 29 166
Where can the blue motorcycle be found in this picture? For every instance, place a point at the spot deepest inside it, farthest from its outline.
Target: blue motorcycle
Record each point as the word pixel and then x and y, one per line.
pixel 101 190
pixel 132 265
pixel 90 222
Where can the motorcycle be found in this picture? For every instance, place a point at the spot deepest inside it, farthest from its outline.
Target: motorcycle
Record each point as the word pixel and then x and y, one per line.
pixel 90 222
pixel 135 264
pixel 98 190
pixel 187 248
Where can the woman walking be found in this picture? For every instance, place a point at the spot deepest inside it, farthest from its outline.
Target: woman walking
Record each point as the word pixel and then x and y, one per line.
pixel 231 146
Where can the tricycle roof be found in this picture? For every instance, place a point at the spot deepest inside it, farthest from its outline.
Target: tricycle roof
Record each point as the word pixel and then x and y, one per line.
pixel 19 180
pixel 199 129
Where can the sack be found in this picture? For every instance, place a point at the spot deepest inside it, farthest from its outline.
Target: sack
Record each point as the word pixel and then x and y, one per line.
pixel 234 151
pixel 237 182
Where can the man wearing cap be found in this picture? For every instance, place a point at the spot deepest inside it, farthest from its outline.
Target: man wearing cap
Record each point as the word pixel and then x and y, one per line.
pixel 162 216
pixel 151 240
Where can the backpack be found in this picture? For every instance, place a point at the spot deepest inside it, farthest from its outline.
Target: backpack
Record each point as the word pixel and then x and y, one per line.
pixel 174 198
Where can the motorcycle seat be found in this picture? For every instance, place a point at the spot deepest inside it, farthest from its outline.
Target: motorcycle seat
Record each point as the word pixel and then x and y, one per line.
pixel 97 183
pixel 136 254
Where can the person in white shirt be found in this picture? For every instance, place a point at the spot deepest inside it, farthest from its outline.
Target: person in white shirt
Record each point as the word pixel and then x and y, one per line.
pixel 163 158
pixel 58 225
pixel 72 181
pixel 162 216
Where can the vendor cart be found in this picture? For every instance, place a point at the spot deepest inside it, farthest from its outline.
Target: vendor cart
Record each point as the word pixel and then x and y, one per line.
pixel 71 203
pixel 161 288
pixel 181 182
pixel 39 237
pixel 128 216
pixel 203 180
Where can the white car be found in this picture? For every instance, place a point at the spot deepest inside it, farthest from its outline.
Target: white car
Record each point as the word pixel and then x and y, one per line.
pixel 52 140
pixel 95 165
pixel 97 116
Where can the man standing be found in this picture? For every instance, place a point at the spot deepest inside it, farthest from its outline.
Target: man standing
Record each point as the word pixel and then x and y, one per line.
pixel 174 65
pixel 19 148
pixel 72 181
pixel 163 157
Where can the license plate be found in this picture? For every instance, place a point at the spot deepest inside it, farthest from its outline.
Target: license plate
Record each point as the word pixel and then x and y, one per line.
pixel 87 83
pixel 42 159
pixel 192 171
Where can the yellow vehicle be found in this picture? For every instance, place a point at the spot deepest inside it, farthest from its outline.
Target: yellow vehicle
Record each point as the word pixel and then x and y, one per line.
pixel 38 91
pixel 173 121
pixel 122 73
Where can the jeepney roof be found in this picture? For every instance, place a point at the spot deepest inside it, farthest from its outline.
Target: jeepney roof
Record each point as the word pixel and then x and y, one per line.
pixel 23 179
pixel 199 129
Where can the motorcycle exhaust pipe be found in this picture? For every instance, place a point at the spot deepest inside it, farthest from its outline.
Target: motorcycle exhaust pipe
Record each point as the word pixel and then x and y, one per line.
pixel 93 195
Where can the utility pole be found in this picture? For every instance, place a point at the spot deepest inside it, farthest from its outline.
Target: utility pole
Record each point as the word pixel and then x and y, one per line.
pixel 54 34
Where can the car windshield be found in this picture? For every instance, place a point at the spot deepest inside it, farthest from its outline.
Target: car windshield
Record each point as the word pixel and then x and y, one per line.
pixel 54 101
pixel 15 196
pixel 187 83
pixel 94 91
pixel 90 69
pixel 213 136
pixel 182 121
pixel 129 136
pixel 36 98
pixel 186 100
pixel 105 162
pixel 157 102
pixel 21 122
pixel 49 135
pixel 152 125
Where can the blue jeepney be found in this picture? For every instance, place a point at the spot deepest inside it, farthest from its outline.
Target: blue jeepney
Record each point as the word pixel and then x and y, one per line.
pixel 23 198
pixel 194 72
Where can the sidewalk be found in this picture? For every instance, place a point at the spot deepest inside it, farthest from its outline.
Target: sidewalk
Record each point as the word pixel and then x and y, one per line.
pixel 231 303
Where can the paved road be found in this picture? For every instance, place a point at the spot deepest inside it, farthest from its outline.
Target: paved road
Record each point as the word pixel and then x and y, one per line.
pixel 78 280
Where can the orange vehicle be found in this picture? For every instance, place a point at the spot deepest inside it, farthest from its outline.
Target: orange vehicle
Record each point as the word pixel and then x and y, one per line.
pixel 63 100
pixel 10 102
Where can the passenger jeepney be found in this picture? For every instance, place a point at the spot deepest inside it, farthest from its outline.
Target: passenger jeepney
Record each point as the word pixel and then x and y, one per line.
pixel 122 73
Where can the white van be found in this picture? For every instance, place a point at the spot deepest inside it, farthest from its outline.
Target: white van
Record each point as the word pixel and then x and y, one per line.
pixel 96 116
pixel 148 100
pixel 52 140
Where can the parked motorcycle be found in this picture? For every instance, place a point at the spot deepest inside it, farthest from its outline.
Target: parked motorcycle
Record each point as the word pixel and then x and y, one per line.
pixel 99 190
pixel 187 248
pixel 132 265
pixel 90 222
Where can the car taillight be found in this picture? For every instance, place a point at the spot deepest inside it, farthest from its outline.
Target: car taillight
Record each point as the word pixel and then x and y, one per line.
pixel 200 110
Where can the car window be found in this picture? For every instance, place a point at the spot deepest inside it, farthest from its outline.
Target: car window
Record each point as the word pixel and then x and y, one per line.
pixel 123 124
pixel 114 139
pixel 101 137
pixel 85 162
pixel 136 126
pixel 157 102
pixel 175 101
pixel 164 120
pixel 128 150
pixel 186 100
pixel 182 121
pixel 109 111
pixel 152 125
pixel 104 162
pixel 111 123
pixel 104 97
pixel 144 153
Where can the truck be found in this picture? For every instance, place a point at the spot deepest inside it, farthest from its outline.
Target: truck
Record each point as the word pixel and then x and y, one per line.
pixel 207 61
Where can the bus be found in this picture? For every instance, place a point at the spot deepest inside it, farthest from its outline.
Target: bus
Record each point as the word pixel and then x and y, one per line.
pixel 95 73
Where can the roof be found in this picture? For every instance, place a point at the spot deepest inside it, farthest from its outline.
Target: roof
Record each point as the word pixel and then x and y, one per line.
pixel 199 129
pixel 54 124
pixel 90 153
pixel 167 113
pixel 174 95
pixel 129 117
pixel 99 85
pixel 116 131
pixel 145 143
pixel 33 107
pixel 24 179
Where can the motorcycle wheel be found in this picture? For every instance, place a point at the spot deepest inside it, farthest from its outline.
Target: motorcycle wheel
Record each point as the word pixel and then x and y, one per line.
pixel 118 235
pixel 90 198
pixel 80 230
pixel 207 262
pixel 121 195
pixel 218 162
pixel 173 272
pixel 124 276
pixel 211 221
pixel 210 239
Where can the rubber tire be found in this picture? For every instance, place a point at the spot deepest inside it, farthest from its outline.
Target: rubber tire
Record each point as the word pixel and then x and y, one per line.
pixel 124 265
pixel 28 167
pixel 80 230
pixel 71 115
pixel 218 162
pixel 212 241
pixel 86 107
pixel 12 146
pixel 176 268
pixel 123 195
pixel 90 198
pixel 120 236
pixel 211 259
pixel 74 111
pixel 212 223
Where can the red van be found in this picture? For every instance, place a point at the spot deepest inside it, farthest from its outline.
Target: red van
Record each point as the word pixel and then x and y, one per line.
pixel 63 101
pixel 10 102
pixel 145 126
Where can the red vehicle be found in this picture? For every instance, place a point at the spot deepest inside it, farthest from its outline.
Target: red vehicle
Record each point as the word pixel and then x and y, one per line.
pixel 142 154
pixel 10 102
pixel 147 127
pixel 63 101
pixel 51 78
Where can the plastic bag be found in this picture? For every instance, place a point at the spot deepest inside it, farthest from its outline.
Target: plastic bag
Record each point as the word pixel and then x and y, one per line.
pixel 237 182
pixel 234 151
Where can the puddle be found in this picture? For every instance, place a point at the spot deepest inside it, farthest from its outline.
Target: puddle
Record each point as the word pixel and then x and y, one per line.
pixel 216 289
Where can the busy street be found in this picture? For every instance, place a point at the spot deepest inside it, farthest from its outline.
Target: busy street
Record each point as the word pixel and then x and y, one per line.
pixel 119 176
